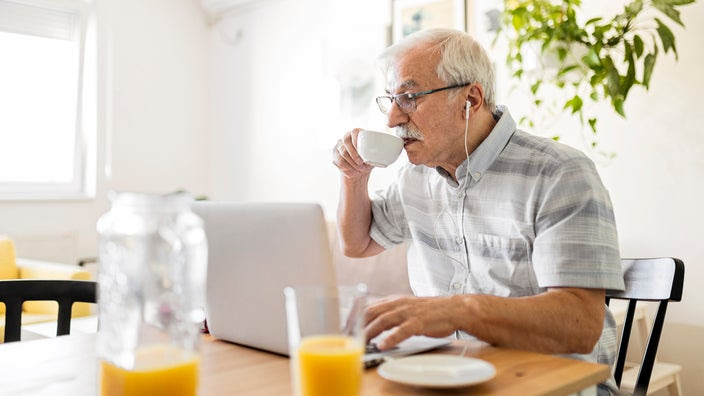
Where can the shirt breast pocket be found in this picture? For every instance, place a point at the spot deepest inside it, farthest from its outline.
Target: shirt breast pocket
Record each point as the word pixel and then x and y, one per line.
pixel 502 265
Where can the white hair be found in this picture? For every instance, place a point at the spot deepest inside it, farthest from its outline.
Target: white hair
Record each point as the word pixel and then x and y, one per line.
pixel 462 59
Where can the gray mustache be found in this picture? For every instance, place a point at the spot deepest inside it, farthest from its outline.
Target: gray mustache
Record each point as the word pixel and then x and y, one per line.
pixel 408 133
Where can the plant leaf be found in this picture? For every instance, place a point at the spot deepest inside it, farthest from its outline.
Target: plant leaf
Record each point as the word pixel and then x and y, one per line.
pixel 618 105
pixel 517 21
pixel 668 10
pixel 648 65
pixel 592 59
pixel 596 79
pixel 566 70
pixel 613 81
pixel 629 51
pixel 638 45
pixel 600 30
pixel 592 124
pixel 634 8
pixel 630 76
pixel 575 103
pixel 546 44
pixel 678 2
pixel 631 73
pixel 593 20
pixel 666 36
pixel 613 41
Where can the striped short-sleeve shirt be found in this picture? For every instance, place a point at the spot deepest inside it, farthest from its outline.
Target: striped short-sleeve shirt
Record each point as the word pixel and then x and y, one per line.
pixel 532 214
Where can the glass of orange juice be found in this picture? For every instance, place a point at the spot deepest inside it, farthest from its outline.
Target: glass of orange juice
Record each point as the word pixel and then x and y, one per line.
pixel 326 339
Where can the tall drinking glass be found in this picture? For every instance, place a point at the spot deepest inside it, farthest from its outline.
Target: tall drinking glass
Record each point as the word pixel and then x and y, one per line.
pixel 326 339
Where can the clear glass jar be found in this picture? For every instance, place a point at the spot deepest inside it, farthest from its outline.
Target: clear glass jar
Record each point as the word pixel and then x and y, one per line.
pixel 151 276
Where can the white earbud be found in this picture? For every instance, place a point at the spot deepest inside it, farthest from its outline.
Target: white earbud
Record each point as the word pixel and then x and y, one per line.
pixel 467 106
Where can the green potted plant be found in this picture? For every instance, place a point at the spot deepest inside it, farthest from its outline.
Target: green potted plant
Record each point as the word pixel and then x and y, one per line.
pixel 567 61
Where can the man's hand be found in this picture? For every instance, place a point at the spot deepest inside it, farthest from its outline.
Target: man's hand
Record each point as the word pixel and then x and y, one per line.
pixel 346 158
pixel 408 316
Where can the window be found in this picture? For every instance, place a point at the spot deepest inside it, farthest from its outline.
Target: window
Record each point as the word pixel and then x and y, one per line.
pixel 47 103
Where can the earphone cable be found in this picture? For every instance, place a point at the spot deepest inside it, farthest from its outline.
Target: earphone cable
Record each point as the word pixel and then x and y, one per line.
pixel 463 188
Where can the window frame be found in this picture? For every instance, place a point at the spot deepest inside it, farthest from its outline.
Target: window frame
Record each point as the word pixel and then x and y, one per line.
pixel 82 185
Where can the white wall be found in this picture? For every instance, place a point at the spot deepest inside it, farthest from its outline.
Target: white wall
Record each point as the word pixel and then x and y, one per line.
pixel 160 95
pixel 275 128
pixel 153 95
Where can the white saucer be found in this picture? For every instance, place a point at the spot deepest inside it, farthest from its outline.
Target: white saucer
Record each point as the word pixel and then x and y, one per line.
pixel 437 371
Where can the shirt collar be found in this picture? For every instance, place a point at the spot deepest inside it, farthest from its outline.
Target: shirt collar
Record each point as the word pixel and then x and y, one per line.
pixel 487 152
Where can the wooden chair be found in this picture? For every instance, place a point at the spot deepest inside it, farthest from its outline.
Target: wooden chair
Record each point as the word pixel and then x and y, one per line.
pixel 660 280
pixel 15 292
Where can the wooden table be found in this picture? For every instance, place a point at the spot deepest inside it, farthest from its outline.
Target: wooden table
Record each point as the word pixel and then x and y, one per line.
pixel 67 366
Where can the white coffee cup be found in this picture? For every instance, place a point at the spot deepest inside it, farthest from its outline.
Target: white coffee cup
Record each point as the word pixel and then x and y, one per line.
pixel 378 148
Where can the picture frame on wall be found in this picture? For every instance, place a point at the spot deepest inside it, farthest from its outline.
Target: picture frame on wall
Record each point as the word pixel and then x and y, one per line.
pixel 409 16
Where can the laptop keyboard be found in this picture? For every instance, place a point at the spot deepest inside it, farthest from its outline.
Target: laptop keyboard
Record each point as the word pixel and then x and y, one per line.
pixel 373 348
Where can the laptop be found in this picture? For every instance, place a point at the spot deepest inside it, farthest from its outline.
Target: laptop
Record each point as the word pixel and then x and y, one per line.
pixel 254 251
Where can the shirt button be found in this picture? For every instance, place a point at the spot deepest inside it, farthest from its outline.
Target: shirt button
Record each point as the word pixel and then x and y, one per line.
pixel 459 240
pixel 477 175
pixel 460 194
pixel 456 285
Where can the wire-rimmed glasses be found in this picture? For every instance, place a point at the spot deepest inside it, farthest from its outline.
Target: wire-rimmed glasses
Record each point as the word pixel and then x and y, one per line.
pixel 406 102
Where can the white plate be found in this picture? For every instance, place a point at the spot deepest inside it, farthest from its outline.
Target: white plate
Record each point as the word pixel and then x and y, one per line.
pixel 437 371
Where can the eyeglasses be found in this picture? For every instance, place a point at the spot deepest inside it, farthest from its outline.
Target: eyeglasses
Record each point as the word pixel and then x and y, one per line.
pixel 406 102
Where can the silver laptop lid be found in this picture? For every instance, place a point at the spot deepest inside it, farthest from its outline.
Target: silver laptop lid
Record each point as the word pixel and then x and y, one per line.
pixel 254 251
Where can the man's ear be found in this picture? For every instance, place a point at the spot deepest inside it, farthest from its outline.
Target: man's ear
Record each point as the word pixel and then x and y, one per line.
pixel 475 94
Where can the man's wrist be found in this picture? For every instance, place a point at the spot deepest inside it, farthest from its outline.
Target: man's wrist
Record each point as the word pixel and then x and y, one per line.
pixel 465 312
pixel 358 177
pixel 354 183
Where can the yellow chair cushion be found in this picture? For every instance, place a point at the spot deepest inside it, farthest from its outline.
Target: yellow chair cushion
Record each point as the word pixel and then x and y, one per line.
pixel 8 263
pixel 53 271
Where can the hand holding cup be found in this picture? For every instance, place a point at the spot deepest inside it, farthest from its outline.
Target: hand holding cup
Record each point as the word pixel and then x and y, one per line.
pixel 360 150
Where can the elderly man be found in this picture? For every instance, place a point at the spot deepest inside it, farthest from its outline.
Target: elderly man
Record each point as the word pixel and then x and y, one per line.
pixel 511 237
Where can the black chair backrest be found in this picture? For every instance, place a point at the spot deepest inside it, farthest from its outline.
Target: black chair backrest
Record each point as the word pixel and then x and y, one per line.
pixel 65 292
pixel 652 279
